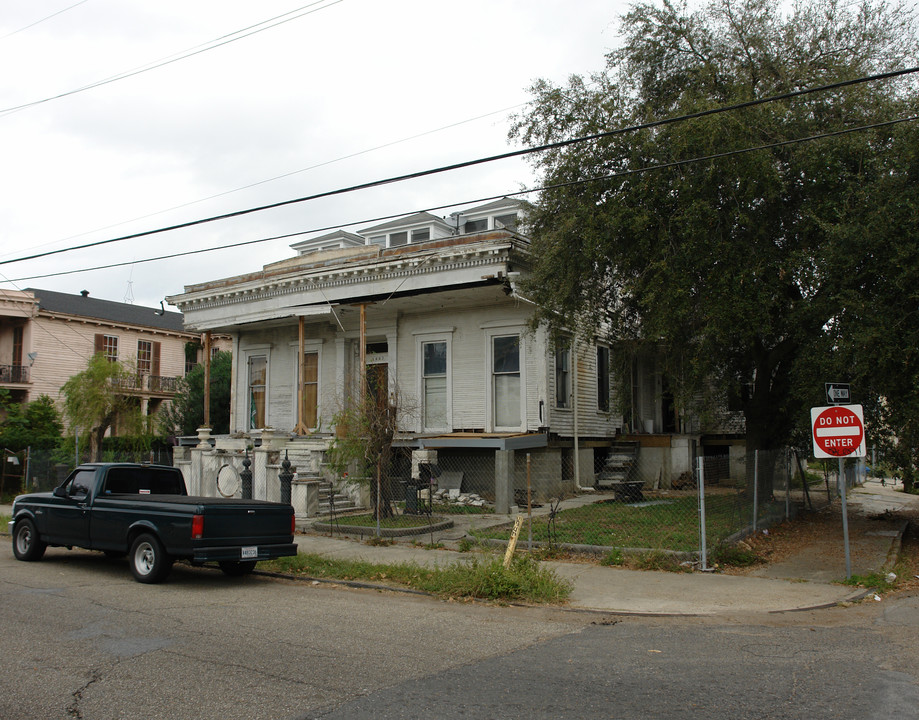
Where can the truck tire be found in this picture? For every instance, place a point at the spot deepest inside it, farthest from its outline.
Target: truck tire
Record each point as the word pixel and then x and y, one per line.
pixel 26 543
pixel 237 568
pixel 149 561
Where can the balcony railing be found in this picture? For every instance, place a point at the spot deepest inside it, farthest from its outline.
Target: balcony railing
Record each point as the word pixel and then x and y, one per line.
pixel 14 373
pixel 148 383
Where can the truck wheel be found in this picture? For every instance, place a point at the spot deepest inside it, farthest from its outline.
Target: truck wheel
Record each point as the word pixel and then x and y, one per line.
pixel 26 543
pixel 237 568
pixel 149 561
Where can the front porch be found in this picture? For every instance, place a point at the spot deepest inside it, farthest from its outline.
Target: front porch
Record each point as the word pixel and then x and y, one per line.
pixel 503 468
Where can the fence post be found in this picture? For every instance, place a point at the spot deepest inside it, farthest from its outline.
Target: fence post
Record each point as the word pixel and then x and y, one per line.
pixel 704 552
pixel 755 487
pixel 530 508
pixel 285 476
pixel 246 477
pixel 788 484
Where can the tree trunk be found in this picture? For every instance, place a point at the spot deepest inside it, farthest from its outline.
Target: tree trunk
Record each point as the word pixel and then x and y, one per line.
pixel 95 443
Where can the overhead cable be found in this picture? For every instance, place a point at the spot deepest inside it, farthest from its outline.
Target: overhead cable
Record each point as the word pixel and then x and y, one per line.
pixel 191 52
pixel 471 163
pixel 599 178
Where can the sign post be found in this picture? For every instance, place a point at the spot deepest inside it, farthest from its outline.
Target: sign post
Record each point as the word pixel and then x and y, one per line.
pixel 839 432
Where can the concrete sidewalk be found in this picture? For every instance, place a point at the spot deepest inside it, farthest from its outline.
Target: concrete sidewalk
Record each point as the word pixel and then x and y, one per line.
pixel 806 580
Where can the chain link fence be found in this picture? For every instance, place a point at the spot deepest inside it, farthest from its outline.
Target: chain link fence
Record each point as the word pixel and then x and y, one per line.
pixel 637 510
pixel 42 470
pixel 625 503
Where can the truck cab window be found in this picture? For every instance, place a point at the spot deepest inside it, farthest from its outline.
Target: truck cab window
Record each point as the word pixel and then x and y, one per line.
pixel 78 486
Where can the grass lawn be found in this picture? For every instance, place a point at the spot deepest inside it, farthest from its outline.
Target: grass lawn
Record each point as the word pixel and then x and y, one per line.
pixel 664 523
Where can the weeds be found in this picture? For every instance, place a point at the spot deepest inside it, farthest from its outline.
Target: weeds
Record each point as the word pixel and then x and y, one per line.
pixel 428 546
pixel 876 580
pixel 379 541
pixel 734 555
pixel 657 560
pixel 524 581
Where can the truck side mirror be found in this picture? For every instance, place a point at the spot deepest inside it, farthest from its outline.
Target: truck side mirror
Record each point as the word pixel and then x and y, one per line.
pixel 59 492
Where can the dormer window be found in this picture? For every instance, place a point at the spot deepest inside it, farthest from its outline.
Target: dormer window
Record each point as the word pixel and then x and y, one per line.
pixel 476 225
pixel 506 221
pixel 397 239
pixel 421 235
pixel 378 240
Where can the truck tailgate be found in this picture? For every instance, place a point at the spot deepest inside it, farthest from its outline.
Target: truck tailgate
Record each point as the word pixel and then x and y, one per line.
pixel 241 522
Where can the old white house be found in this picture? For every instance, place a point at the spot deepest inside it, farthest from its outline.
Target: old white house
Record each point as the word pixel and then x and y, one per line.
pixel 430 307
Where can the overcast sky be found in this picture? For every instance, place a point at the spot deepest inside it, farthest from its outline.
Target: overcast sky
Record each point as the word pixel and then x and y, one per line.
pixel 343 92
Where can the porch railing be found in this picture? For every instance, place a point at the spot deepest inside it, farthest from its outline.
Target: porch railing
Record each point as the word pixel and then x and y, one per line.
pixel 14 373
pixel 148 383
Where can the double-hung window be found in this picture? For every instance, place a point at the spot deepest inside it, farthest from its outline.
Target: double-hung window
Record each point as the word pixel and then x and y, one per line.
pixel 257 380
pixel 108 346
pixel 434 380
pixel 563 376
pixel 144 357
pixel 603 377
pixel 310 389
pixel 506 381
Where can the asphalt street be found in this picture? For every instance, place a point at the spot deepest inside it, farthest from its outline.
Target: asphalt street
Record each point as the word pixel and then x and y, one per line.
pixel 81 639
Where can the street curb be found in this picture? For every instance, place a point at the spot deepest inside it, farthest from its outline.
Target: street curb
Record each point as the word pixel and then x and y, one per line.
pixel 383 532
pixel 896 546
pixel 361 585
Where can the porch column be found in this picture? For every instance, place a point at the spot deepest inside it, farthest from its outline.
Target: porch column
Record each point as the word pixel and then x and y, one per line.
pixel 392 342
pixel 341 366
pixel 504 481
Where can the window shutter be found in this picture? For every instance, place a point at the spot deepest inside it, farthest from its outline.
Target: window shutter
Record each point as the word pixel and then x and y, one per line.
pixel 155 365
pixel 100 339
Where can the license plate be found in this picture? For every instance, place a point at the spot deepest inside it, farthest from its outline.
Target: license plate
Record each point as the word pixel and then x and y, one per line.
pixel 249 552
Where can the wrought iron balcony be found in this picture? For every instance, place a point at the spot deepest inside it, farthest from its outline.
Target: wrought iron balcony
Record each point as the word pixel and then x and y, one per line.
pixel 14 374
pixel 148 383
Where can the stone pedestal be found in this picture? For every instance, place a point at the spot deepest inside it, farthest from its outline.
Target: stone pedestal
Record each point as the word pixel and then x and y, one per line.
pixel 304 496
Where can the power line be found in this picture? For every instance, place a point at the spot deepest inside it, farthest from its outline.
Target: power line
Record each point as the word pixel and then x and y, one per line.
pixel 290 174
pixel 191 52
pixel 471 163
pixel 41 326
pixel 38 22
pixel 599 178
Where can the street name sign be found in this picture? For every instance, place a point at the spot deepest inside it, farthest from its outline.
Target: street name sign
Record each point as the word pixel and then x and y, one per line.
pixel 838 431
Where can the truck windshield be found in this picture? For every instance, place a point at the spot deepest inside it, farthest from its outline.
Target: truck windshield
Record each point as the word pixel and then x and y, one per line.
pixel 144 481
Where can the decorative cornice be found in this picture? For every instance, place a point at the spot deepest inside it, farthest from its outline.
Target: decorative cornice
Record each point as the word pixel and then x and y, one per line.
pixel 329 278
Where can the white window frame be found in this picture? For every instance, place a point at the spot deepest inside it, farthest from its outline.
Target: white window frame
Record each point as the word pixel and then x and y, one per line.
pixel 250 352
pixel 144 365
pixel 421 339
pixel 490 420
pixel 110 347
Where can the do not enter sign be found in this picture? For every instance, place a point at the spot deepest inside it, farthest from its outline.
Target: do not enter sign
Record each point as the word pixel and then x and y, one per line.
pixel 838 432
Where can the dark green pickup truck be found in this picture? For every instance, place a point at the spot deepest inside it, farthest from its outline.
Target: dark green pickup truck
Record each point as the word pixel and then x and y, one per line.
pixel 145 512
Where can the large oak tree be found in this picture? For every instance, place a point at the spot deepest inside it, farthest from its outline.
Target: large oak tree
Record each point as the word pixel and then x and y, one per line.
pixel 749 270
